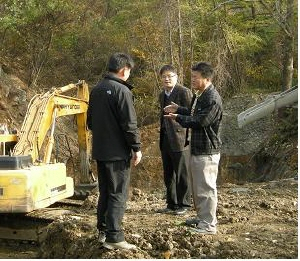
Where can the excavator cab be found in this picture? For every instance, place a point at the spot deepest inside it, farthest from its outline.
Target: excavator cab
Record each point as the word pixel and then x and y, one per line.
pixel 30 178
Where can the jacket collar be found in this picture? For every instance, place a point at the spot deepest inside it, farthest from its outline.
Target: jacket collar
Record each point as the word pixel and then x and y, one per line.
pixel 207 89
pixel 112 77
pixel 174 91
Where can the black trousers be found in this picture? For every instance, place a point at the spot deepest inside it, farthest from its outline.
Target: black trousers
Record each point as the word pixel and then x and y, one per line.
pixel 113 180
pixel 176 176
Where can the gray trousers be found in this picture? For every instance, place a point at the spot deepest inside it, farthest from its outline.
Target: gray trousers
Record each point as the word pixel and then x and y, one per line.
pixel 204 172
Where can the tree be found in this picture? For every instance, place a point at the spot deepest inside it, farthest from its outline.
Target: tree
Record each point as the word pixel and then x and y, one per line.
pixel 286 23
pixel 33 25
pixel 251 44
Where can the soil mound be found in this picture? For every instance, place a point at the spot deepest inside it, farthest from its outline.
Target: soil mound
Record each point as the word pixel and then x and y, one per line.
pixel 255 221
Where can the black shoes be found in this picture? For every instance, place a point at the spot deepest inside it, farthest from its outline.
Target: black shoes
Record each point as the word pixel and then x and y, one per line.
pixel 178 211
pixel 165 211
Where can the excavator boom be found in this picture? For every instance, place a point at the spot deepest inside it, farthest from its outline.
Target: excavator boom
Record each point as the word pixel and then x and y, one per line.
pixel 28 178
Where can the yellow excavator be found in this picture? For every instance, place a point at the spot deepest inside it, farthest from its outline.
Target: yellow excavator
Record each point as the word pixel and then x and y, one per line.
pixel 30 177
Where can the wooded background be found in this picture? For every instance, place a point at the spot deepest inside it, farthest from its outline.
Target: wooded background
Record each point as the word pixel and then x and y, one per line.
pixel 252 44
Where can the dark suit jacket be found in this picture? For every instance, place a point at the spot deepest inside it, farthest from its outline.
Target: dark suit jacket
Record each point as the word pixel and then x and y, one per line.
pixel 175 132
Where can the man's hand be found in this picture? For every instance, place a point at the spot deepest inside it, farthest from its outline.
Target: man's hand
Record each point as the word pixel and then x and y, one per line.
pixel 171 108
pixel 171 116
pixel 136 158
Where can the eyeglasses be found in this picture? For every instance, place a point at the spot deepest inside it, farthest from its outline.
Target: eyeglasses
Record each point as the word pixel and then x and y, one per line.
pixel 168 76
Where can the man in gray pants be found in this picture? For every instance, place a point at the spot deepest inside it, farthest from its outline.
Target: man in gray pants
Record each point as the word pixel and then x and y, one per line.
pixel 202 121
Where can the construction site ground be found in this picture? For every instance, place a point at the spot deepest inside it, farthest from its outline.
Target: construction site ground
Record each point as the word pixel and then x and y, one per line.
pixel 254 221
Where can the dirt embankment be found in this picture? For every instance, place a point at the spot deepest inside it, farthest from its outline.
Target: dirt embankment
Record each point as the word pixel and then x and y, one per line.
pixel 260 151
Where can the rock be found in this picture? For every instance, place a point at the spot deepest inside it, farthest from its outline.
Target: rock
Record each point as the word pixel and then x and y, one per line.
pixel 136 192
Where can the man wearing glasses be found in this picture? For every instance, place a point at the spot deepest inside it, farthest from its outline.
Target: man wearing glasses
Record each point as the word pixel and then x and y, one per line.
pixel 172 139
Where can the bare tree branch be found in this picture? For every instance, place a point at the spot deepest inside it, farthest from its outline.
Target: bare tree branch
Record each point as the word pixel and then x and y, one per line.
pixel 224 3
pixel 283 26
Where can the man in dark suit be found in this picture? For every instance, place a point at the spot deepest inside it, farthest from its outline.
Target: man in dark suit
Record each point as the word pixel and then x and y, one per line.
pixel 172 139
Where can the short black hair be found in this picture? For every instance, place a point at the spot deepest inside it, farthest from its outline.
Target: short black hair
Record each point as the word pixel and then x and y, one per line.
pixel 118 61
pixel 205 69
pixel 167 67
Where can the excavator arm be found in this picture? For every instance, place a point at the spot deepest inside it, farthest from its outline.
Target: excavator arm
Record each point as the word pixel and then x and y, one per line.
pixel 42 112
pixel 28 171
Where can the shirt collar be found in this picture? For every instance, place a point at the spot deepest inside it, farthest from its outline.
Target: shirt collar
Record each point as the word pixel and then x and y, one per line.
pixel 168 93
pixel 198 94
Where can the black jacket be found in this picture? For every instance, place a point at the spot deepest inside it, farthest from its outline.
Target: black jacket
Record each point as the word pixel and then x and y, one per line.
pixel 112 118
pixel 205 123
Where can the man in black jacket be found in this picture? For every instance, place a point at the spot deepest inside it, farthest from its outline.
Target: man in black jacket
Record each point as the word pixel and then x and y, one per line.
pixel 116 141
pixel 203 120
pixel 172 138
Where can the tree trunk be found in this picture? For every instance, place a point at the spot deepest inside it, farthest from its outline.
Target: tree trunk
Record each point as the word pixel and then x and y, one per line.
pixel 288 48
pixel 169 28
pixel 180 44
pixel 287 26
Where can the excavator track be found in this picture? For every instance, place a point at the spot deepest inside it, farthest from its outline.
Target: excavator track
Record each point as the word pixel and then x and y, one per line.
pixel 82 191
pixel 22 227
pixel 32 227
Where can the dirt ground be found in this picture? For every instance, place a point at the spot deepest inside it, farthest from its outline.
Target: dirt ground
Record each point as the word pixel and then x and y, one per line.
pixel 255 221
